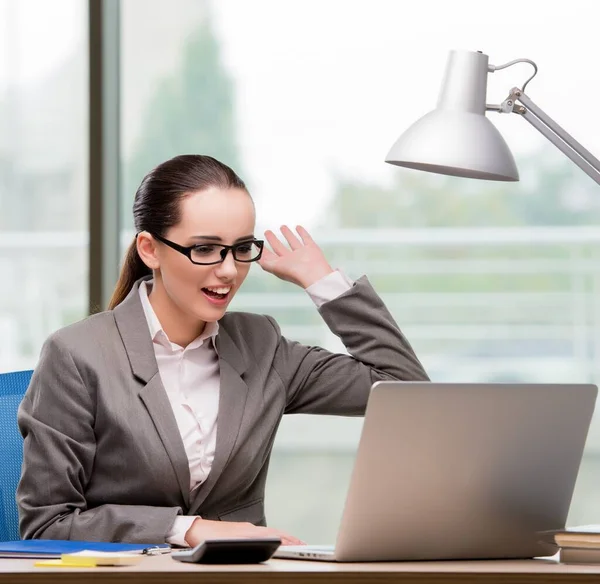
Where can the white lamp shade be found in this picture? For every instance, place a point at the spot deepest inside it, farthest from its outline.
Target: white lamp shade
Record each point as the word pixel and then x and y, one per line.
pixel 455 143
pixel 456 138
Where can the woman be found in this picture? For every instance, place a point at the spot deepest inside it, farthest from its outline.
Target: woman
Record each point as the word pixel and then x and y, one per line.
pixel 154 421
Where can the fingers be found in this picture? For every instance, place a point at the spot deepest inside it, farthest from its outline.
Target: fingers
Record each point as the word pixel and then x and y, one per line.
pixel 305 235
pixel 267 256
pixel 276 245
pixel 291 540
pixel 286 538
pixel 268 260
pixel 292 239
pixel 202 529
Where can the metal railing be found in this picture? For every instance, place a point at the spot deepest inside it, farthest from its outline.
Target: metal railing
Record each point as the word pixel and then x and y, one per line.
pixel 477 304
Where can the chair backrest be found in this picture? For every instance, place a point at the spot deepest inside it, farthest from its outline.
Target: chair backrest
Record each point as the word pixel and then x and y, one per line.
pixel 12 388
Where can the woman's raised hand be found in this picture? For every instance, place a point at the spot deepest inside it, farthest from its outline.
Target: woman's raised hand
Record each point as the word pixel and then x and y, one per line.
pixel 302 263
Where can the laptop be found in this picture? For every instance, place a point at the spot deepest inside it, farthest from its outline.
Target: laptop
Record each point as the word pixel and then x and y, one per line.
pixel 450 471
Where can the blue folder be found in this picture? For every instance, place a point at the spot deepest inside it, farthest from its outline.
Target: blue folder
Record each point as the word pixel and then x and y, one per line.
pixel 53 548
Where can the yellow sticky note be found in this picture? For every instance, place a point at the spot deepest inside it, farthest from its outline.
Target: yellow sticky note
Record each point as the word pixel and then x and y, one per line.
pixel 90 559
pixel 82 563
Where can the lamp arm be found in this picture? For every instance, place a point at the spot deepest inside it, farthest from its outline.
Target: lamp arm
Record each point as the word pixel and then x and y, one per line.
pixel 542 122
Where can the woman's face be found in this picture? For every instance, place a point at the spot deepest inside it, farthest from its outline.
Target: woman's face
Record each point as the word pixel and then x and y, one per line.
pixel 210 216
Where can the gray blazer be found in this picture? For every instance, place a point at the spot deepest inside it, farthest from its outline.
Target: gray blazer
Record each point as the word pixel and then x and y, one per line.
pixel 103 458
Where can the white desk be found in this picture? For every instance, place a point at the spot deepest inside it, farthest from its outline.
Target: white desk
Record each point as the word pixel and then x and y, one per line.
pixel 163 569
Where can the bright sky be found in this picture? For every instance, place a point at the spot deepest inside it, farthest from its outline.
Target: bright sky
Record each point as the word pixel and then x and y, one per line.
pixel 328 85
pixel 36 35
pixel 324 87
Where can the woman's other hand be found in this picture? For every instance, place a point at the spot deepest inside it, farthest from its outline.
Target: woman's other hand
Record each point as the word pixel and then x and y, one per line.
pixel 302 263
pixel 203 529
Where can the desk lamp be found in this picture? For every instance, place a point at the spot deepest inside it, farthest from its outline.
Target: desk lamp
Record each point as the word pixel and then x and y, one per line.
pixel 457 139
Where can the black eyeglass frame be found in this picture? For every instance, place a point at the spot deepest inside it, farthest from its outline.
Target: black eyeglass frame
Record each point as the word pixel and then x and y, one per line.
pixel 187 251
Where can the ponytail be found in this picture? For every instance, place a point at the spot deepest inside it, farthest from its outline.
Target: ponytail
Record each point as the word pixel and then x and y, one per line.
pixel 133 269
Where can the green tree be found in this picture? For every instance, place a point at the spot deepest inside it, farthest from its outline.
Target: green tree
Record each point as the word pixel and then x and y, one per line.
pixel 192 111
pixel 552 191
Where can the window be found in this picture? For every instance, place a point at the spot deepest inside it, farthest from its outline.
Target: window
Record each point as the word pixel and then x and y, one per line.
pixel 43 173
pixel 489 281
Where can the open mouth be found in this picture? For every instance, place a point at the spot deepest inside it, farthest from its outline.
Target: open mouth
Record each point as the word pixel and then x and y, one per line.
pixel 217 294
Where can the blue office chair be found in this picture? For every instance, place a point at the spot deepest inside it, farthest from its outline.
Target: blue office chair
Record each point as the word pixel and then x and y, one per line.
pixel 12 388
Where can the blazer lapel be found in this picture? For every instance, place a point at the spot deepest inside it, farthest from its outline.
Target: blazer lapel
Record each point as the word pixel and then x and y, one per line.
pixel 133 328
pixel 157 403
pixel 232 402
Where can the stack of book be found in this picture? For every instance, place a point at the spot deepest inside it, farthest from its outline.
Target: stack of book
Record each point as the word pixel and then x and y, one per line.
pixel 579 545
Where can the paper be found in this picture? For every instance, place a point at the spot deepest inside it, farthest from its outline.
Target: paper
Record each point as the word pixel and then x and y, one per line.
pixel 593 528
pixel 91 559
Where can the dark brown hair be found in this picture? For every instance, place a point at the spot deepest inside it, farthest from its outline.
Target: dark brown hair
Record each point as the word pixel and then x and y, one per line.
pixel 156 207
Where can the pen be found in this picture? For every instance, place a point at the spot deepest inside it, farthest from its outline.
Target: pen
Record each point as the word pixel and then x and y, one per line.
pixel 155 550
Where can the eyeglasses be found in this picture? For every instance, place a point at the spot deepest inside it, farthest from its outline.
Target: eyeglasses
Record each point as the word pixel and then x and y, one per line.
pixel 206 254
